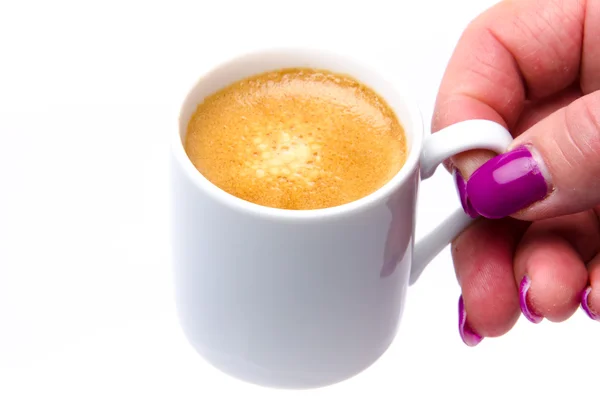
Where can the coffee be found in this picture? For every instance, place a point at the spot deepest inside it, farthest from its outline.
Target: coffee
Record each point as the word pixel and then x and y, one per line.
pixel 296 139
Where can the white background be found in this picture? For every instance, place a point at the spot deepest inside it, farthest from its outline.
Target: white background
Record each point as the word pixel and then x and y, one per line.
pixel 89 92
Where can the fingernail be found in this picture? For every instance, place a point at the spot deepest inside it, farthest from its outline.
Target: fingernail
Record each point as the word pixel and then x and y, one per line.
pixel 461 188
pixel 506 184
pixel 469 337
pixel 525 305
pixel 586 306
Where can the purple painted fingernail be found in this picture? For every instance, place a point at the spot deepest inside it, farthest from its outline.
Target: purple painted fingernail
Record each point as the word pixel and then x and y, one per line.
pixel 586 306
pixel 525 305
pixel 469 337
pixel 461 188
pixel 506 184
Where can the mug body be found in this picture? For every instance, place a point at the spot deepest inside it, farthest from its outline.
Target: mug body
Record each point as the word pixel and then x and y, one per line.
pixel 291 299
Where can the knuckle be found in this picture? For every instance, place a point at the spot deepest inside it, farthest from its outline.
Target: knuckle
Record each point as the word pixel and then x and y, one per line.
pixel 582 119
pixel 591 108
pixel 573 147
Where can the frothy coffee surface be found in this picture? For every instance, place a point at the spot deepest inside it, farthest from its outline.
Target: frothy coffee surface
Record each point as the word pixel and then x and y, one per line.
pixel 296 139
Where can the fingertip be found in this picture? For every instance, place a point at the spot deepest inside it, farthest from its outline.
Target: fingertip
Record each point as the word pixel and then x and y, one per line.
pixel 525 302
pixel 461 189
pixel 551 276
pixel 590 297
pixel 588 302
pixel 492 312
pixel 469 336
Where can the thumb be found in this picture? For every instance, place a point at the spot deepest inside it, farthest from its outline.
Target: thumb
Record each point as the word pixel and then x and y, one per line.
pixel 552 169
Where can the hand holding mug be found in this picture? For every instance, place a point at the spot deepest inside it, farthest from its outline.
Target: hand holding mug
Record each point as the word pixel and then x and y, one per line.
pixel 533 67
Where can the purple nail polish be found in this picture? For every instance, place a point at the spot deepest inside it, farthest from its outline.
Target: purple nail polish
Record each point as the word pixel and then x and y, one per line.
pixel 525 309
pixel 585 304
pixel 461 188
pixel 469 337
pixel 506 184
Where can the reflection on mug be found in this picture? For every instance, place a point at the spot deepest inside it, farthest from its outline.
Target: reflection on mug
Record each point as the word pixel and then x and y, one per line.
pixel 399 236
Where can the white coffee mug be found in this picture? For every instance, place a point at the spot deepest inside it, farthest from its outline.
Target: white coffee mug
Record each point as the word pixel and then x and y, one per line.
pixel 302 299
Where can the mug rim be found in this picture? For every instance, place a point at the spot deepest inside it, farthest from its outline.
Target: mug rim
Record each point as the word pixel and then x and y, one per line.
pixel 416 139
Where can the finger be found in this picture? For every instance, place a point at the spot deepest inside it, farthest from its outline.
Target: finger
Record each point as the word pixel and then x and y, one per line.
pixel 514 51
pixel 590 299
pixel 533 112
pixel 549 265
pixel 482 256
pixel 550 170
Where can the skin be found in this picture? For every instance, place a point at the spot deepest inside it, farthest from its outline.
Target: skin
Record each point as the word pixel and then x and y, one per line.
pixel 533 66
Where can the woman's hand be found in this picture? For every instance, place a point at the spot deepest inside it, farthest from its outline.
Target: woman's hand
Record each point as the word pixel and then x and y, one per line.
pixel 533 66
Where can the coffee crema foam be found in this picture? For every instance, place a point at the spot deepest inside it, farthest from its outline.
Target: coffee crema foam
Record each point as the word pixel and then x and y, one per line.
pixel 296 139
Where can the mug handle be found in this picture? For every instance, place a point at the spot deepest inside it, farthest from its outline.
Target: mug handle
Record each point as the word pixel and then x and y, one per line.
pixel 457 138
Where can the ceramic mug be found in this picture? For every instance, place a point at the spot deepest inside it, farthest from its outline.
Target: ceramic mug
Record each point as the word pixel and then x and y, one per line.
pixel 303 299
